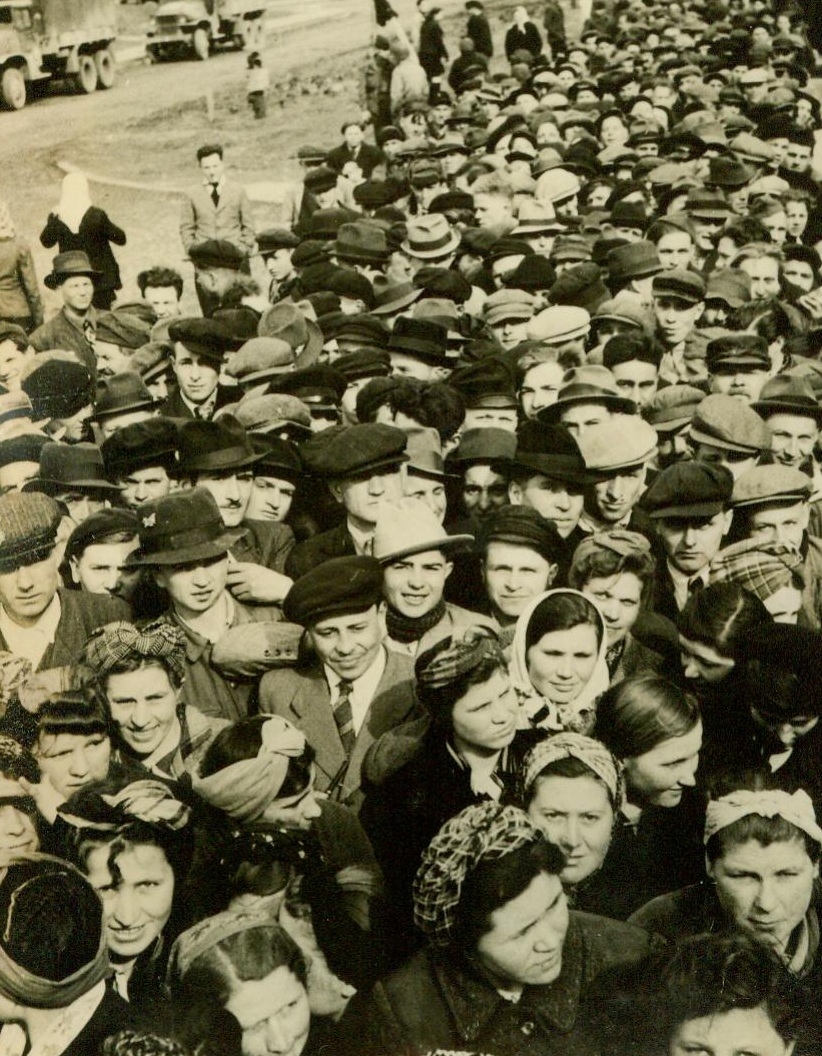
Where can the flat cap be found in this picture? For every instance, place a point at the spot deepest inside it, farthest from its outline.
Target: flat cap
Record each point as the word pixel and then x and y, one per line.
pixel 317 386
pixel 483 445
pixel 523 526
pixel 635 260
pixel 508 304
pixel 580 286
pixel 152 442
pixel 729 285
pixel 274 238
pixel 737 349
pixel 98 526
pixel 217 253
pixel 273 411
pixel 559 323
pixel 334 588
pixel 680 283
pixel 28 527
pixel 121 329
pixel 486 383
pixel 773 485
pixel 278 458
pixel 352 450
pixel 689 489
pixel 730 424
pixel 260 358
pixel 365 363
pixel 617 444
pixel 204 337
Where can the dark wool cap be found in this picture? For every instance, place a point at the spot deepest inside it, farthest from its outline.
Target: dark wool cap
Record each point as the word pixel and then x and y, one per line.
pixel 678 282
pixel 278 458
pixel 317 386
pixel 368 330
pixel 689 489
pixel 149 443
pixel 487 383
pixel 25 448
pixel 737 348
pixel 352 450
pixel 217 253
pixel 523 526
pixel 204 337
pixel 365 363
pixel 98 527
pixel 334 588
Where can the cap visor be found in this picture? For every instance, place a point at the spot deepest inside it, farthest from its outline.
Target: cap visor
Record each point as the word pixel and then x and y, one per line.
pixel 185 555
pixel 703 509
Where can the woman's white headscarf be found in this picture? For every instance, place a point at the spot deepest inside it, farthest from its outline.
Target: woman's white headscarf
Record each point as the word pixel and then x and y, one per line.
pixel 520 17
pixel 576 716
pixel 75 200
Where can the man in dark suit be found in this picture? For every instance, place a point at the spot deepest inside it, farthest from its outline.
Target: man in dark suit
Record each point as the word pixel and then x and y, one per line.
pixel 355 690
pixel 361 465
pixel 688 504
pixel 199 348
pixel 354 148
pixel 39 622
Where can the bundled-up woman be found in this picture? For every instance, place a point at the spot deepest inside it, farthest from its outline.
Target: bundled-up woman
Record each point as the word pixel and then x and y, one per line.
pixel 20 301
pixel 270 842
pixel 76 224
pixel 141 673
pixel 573 789
pixel 133 841
pixel 762 848
pixel 461 752
pixel 558 661
pixel 654 729
pixel 508 970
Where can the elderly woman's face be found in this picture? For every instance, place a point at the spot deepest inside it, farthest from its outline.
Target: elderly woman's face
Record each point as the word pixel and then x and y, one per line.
pixel 576 814
pixel 523 945
pixel 747 1030
pixel 484 719
pixel 561 662
pixel 18 831
pixel 273 1014
pixel 137 901
pixel 144 705
pixel 72 760
pixel 765 891
pixel 618 599
pixel 658 777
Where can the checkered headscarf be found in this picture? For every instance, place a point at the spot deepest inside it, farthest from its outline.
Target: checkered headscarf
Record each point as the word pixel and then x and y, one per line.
pixel 763 568
pixel 485 830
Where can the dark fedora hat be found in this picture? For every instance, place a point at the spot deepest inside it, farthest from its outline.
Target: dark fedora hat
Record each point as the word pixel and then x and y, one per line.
pixel 70 467
pixel 214 447
pixel 67 265
pixel 420 338
pixel 788 394
pixel 181 527
pixel 549 450
pixel 279 458
pixel 120 394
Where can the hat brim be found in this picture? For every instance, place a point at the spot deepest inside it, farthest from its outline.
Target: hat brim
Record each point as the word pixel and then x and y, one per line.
pixel 47 486
pixel 723 445
pixel 127 409
pixel 200 552
pixel 700 509
pixel 431 474
pixel 52 281
pixel 550 415
pixel 445 542
pixel 382 463
pixel 432 254
pixel 207 464
pixel 768 407
pixel 543 465
pixel 398 304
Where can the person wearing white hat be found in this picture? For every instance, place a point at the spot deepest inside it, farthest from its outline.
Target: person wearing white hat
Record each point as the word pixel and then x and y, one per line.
pixel 414 551
pixel 617 454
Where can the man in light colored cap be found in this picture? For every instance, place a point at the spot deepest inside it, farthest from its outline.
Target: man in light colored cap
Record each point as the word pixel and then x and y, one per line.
pixel 563 327
pixel 617 454
pixel 725 430
pixel 507 313
pixel 425 476
pixel 772 504
pixel 355 689
pixel 794 417
pixel 415 553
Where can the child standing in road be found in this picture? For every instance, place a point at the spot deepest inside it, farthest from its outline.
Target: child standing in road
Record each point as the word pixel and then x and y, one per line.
pixel 258 82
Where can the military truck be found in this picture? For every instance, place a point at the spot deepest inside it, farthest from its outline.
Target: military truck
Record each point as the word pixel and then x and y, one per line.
pixel 193 28
pixel 44 40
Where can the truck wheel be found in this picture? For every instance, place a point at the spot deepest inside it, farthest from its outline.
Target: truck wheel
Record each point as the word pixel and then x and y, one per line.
pixel 86 76
pixel 13 88
pixel 200 44
pixel 104 61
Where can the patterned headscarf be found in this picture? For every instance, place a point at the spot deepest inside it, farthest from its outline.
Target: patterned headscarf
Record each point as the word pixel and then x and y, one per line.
pixel 763 568
pixel 483 831
pixel 202 937
pixel 111 645
pixel 796 808
pixel 576 746
pixel 246 788
pixel 439 667
pixel 150 801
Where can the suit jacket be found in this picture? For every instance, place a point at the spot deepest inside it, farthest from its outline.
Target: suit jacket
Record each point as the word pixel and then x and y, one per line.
pixel 231 218
pixel 367 157
pixel 303 697
pixel 60 332
pixel 80 615
pixel 175 407
pixel 336 542
pixel 664 599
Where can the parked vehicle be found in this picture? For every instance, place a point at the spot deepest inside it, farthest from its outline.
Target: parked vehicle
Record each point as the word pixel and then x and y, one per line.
pixel 193 28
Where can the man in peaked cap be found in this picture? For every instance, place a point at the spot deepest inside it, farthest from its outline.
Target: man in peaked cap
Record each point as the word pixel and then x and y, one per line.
pixel 792 413
pixel 276 246
pixel 39 620
pixel 739 364
pixel 616 454
pixel 689 504
pixel 200 347
pixel 356 689
pixel 361 465
pixel 726 431
pixel 678 301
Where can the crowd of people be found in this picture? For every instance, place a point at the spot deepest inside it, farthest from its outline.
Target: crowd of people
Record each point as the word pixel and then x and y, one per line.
pixel 421 650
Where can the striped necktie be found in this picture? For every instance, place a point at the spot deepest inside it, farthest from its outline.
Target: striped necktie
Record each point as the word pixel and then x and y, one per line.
pixel 343 715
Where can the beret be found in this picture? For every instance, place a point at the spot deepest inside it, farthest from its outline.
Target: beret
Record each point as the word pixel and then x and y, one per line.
pixel 217 253
pixel 771 485
pixel 334 588
pixel 352 450
pixel 731 424
pixel 689 489
pixel 98 526
pixel 28 526
pixel 737 348
pixel 523 526
pixel 152 442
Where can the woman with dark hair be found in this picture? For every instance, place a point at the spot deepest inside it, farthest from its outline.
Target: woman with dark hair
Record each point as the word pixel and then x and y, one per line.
pixel 573 789
pixel 655 730
pixel 558 661
pixel 238 986
pixel 460 753
pixel 141 673
pixel 719 993
pixel 271 843
pixel 762 849
pixel 21 824
pixel 508 970
pixel 615 569
pixel 133 842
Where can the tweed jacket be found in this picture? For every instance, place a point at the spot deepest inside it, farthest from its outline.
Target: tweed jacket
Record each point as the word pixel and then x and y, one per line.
pixel 231 219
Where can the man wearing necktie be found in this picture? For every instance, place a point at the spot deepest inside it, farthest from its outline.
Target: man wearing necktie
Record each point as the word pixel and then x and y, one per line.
pixel 354 689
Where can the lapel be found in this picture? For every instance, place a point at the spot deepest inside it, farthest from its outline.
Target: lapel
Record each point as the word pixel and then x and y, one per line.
pixel 311 708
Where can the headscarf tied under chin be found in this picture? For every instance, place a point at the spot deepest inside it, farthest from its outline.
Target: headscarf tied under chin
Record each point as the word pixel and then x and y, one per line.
pixel 75 200
pixel 796 808
pixel 578 715
pixel 592 753
pixel 483 831
pixel 245 789
pixel 116 642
